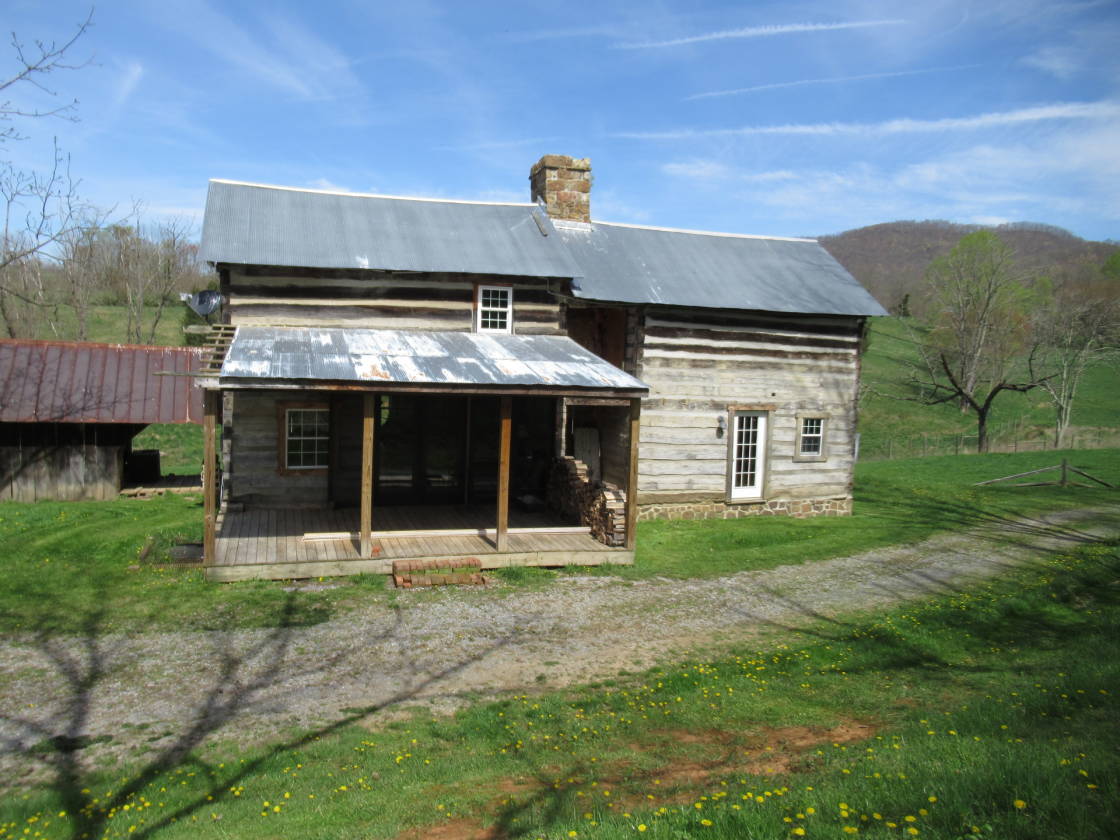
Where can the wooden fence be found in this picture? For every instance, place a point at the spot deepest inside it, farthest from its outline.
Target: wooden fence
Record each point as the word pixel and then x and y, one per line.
pixel 1011 438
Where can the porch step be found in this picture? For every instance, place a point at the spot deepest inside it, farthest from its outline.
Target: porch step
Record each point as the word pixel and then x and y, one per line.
pixel 408 574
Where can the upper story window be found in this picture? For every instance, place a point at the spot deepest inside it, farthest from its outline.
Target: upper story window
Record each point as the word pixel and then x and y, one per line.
pixel 494 309
pixel 810 438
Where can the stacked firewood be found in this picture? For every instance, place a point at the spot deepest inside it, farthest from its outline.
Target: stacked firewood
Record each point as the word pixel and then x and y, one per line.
pixel 599 505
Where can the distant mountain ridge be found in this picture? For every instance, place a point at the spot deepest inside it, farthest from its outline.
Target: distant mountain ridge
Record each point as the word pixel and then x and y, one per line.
pixel 890 259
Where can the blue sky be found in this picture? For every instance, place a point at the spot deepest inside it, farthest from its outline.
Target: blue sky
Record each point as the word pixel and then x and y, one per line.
pixel 790 118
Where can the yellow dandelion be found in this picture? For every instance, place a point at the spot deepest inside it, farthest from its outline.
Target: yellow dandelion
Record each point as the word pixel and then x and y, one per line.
pixel 641 827
pixel 1019 804
pixel 799 831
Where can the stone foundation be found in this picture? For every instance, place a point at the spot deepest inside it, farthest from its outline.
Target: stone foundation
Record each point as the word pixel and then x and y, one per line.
pixel 598 504
pixel 798 508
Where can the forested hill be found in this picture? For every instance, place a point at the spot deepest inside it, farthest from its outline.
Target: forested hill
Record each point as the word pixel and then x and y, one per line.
pixel 890 259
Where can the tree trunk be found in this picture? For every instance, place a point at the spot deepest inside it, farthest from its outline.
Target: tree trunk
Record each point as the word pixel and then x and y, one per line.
pixel 981 431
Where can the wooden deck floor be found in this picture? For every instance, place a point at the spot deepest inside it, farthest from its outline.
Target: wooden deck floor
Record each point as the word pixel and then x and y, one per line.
pixel 282 544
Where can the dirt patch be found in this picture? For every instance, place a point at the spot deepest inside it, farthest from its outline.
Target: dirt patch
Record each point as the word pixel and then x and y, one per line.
pixel 769 752
pixel 460 829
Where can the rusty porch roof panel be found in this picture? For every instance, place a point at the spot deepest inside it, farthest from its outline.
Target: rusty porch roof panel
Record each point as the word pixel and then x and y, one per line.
pixel 445 361
pixel 81 382
pixel 256 224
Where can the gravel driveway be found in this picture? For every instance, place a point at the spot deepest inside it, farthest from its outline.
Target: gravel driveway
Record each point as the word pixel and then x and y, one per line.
pixel 445 648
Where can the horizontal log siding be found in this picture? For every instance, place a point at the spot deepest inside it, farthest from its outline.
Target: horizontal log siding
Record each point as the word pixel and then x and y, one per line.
pixel 254 475
pixel 698 365
pixel 380 300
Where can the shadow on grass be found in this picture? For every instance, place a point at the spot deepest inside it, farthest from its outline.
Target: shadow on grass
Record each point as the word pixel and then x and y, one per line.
pixel 84 663
pixel 1007 611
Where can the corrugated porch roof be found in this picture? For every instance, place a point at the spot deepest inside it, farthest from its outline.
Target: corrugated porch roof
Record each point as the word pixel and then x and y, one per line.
pixel 438 362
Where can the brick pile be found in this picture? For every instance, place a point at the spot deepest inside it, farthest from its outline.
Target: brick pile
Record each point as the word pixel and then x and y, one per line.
pixel 408 574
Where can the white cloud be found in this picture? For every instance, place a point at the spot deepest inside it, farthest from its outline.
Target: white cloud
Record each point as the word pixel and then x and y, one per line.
pixel 710 170
pixel 328 185
pixel 279 52
pixel 127 84
pixel 697 169
pixel 756 32
pixel 1060 62
pixel 1058 111
pixel 833 80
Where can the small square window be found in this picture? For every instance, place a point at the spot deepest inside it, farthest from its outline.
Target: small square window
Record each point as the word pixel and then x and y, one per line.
pixel 494 309
pixel 306 438
pixel 810 439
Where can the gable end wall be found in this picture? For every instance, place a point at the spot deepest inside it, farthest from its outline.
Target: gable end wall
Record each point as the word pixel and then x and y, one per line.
pixel 700 365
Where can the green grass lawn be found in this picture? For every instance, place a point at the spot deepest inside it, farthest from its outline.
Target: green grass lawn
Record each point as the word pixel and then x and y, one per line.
pixel 885 368
pixel 988 713
pixel 107 324
pixel 180 446
pixel 65 560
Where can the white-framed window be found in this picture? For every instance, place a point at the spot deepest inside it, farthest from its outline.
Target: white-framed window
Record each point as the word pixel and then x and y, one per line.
pixel 306 437
pixel 494 309
pixel 746 459
pixel 811 430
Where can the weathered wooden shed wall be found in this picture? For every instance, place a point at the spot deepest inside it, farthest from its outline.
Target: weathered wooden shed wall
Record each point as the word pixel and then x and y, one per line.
pixel 62 461
pixel 262 296
pixel 701 365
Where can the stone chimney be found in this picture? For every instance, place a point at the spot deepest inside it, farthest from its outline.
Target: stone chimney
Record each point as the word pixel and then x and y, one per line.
pixel 565 185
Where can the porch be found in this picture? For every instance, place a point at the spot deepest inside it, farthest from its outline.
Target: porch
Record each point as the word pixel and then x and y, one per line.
pixel 279 544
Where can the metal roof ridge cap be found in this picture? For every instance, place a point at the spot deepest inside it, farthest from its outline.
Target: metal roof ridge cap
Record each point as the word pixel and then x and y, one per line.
pixel 116 345
pixel 704 232
pixel 371 195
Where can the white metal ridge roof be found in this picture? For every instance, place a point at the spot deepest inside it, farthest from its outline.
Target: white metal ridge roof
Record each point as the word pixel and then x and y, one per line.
pixel 251 224
pixel 320 191
pixel 261 356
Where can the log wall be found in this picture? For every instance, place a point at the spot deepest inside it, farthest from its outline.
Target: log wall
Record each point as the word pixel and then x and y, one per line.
pixel 261 296
pixel 701 365
pixel 253 475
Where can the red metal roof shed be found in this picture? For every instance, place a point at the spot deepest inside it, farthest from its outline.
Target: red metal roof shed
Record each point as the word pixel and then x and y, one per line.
pixel 82 382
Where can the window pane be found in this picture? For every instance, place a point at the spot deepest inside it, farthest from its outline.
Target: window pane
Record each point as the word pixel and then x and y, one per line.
pixel 308 438
pixel 746 451
pixel 812 436
pixel 810 446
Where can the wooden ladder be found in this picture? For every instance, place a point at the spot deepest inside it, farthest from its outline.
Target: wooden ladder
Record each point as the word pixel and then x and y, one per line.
pixel 216 347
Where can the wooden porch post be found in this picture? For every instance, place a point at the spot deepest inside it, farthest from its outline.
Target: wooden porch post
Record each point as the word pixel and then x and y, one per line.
pixel 210 475
pixel 367 474
pixel 632 480
pixel 503 473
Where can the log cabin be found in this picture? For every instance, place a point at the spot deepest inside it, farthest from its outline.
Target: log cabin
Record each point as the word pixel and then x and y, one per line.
pixel 434 381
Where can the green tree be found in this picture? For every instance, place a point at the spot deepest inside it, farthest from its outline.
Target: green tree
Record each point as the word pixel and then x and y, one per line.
pixel 1077 327
pixel 981 328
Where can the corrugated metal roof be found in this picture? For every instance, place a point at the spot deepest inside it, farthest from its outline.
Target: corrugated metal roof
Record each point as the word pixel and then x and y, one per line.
pixel 443 360
pixel 261 225
pixel 79 382
pixel 631 264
